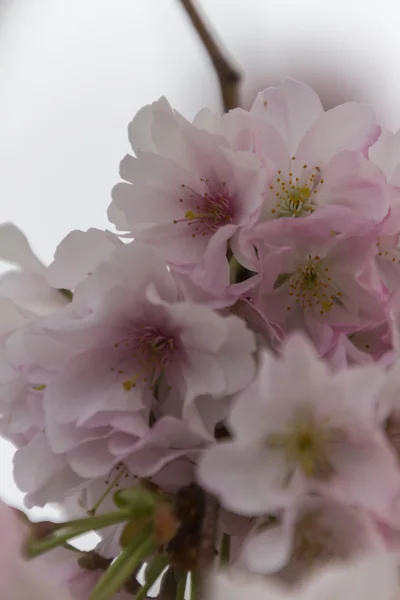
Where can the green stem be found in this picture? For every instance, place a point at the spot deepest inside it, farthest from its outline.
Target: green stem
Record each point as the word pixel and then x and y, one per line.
pixel 66 531
pixel 194 584
pixel 225 549
pixel 180 592
pixel 157 566
pixel 123 567
pixel 109 488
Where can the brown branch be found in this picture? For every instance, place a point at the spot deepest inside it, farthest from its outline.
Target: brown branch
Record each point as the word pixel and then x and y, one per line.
pixel 228 77
pixel 207 547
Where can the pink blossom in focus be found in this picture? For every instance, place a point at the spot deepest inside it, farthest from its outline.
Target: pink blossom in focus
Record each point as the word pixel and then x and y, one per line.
pixel 323 284
pixel 186 192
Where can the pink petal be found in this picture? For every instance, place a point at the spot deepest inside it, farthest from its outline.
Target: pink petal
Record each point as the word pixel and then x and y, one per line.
pixel 268 551
pixel 292 108
pixel 78 255
pixel 15 248
pixel 247 479
pixel 349 126
pixel 91 459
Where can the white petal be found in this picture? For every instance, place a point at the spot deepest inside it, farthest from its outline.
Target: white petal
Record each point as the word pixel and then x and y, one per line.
pixel 31 292
pixel 291 108
pixel 247 479
pixel 78 255
pixel 91 460
pixel 365 579
pixel 240 586
pixel 386 154
pixel 15 248
pixel 268 551
pixel 349 126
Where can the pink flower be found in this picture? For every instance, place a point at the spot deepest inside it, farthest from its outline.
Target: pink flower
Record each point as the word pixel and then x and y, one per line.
pixel 316 160
pixel 125 353
pixel 186 192
pixel 312 532
pixel 300 428
pixel 312 280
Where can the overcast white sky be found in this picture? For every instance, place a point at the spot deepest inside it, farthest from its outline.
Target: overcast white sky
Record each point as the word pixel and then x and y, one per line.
pixel 73 73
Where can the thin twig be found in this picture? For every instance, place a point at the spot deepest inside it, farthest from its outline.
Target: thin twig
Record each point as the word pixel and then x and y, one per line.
pixel 228 77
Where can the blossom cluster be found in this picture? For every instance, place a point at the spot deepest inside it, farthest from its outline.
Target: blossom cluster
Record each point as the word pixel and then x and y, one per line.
pixel 233 349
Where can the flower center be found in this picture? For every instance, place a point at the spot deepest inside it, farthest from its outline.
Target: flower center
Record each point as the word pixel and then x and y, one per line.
pixel 305 444
pixel 311 286
pixel 209 210
pixel 295 196
pixel 151 351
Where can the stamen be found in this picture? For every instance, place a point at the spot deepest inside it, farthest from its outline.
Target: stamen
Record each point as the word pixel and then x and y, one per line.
pixel 295 197
pixel 312 286
pixel 151 351
pixel 392 254
pixel 212 210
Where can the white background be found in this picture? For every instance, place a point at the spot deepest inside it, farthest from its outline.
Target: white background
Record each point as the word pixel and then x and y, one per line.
pixel 74 72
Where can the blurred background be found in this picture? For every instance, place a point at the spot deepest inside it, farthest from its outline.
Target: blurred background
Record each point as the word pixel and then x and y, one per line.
pixel 74 72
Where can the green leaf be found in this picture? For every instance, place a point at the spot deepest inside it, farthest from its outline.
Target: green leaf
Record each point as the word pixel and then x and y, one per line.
pixel 138 500
pixel 153 571
pixel 71 529
pixel 123 567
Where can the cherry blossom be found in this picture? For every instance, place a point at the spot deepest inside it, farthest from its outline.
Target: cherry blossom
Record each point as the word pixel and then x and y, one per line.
pixel 321 283
pixel 244 345
pixel 311 532
pixel 316 161
pixel 186 192
pixel 299 428
pixel 125 353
